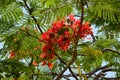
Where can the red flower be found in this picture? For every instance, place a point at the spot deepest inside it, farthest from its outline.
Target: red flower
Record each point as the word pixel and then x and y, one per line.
pixel 12 54
pixel 86 24
pixel 63 42
pixel 52 56
pixel 71 17
pixel 56 26
pixel 34 63
pixel 85 30
pixel 43 63
pixel 64 47
pixel 47 47
pixel 60 35
pixel 77 23
pixel 50 65
pixel 44 48
pixel 42 55
pixel 45 36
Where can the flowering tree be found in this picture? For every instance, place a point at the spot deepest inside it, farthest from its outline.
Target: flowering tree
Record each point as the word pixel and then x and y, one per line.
pixel 43 40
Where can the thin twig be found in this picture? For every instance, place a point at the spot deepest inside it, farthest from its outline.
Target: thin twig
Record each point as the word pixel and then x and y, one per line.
pixel 102 72
pixel 93 37
pixel 30 64
pixel 74 57
pixel 30 12
pixel 107 49
pixel 98 69
pixel 81 54
pixel 82 12
pixel 60 59
pixel 73 73
pixel 115 78
pixel 69 66
pixel 28 34
pixel 71 62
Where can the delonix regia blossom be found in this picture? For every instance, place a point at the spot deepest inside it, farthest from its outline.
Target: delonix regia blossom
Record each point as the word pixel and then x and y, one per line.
pixel 60 35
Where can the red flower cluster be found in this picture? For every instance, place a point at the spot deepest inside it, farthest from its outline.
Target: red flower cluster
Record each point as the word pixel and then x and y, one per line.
pixel 85 30
pixel 64 41
pixel 60 35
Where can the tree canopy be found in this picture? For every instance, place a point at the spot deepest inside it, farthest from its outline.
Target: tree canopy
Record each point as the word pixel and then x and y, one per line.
pixel 56 39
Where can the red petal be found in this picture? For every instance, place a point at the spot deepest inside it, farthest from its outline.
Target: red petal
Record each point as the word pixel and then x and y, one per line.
pixel 45 36
pixel 42 55
pixel 52 56
pixel 71 16
pixel 43 63
pixel 12 54
pixel 50 65
pixel 64 47
pixel 34 63
pixel 86 24
pixel 44 48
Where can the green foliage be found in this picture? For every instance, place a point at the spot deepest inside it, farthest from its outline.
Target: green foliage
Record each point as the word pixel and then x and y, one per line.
pixel 106 14
pixel 52 10
pixel 23 77
pixel 6 2
pixel 19 28
pixel 92 59
pixel 6 78
pixel 107 43
pixel 10 15
pixel 22 44
pixel 104 10
pixel 13 68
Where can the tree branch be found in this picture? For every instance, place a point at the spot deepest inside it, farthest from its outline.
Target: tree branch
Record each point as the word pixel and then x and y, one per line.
pixel 74 57
pixel 82 12
pixel 30 64
pixel 71 62
pixel 28 34
pixel 30 12
pixel 60 59
pixel 81 54
pixel 105 50
pixel 93 37
pixel 73 73
pixel 97 69
pixel 103 71
pixel 69 67
pixel 115 78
